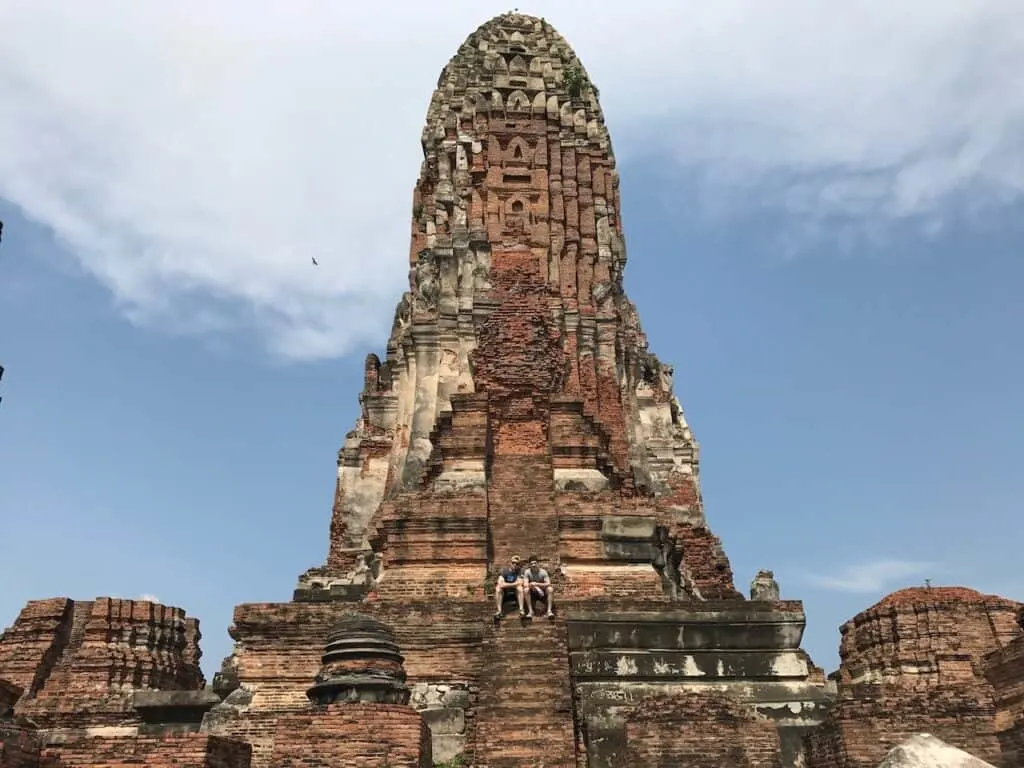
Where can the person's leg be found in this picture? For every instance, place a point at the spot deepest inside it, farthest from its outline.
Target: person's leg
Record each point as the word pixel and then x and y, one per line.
pixel 499 593
pixel 520 597
pixel 551 597
pixel 534 590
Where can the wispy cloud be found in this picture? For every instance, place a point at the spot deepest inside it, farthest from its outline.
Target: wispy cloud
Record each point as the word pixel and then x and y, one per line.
pixel 193 157
pixel 873 576
pixel 149 598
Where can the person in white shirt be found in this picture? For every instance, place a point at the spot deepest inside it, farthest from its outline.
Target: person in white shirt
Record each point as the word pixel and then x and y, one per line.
pixel 538 583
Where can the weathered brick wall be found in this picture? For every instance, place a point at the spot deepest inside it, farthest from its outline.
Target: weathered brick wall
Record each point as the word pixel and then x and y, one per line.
pixel 98 653
pixel 194 750
pixel 1004 669
pixel 870 720
pixel 525 714
pixel 705 566
pixel 19 746
pixel 700 731
pixel 432 547
pixel 1011 742
pixel 9 695
pixel 354 736
pixel 924 637
pixel 31 646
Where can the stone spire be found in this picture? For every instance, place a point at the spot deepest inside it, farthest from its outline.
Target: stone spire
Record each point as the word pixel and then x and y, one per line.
pixel 516 323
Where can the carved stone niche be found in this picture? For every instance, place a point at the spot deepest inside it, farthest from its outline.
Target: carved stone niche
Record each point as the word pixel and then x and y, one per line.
pixel 518 153
pixel 764 587
pixel 169 712
pixel 9 692
pixel 362 663
pixel 516 216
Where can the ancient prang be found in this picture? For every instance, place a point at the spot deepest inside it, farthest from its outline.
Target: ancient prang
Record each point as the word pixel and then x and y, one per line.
pixel 516 410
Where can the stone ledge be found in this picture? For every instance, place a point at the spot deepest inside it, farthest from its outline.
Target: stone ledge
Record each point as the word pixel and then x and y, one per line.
pixel 145 700
pixel 738 626
pixel 172 712
pixel 652 665
pixel 709 611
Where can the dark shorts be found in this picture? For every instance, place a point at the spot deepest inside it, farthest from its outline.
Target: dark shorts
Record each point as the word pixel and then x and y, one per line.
pixel 508 584
pixel 538 588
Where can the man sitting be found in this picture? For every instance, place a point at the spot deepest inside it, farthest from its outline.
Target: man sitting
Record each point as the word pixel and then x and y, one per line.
pixel 538 583
pixel 509 579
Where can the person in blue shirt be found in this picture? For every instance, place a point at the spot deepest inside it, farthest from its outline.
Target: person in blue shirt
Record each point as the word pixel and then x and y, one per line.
pixel 510 578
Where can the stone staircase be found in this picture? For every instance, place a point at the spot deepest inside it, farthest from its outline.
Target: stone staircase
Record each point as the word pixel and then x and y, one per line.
pixel 524 715
pixel 522 519
pixel 57 679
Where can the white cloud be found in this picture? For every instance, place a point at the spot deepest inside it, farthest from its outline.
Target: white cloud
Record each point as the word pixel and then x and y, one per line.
pixel 149 598
pixel 874 576
pixel 194 156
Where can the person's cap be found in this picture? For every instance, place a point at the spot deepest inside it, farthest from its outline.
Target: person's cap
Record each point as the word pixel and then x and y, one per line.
pixel 515 558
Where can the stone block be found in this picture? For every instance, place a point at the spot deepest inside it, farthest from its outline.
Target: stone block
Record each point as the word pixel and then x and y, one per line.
pixel 445 720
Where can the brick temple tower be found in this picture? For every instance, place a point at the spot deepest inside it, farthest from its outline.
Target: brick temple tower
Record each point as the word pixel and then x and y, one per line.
pixel 517 410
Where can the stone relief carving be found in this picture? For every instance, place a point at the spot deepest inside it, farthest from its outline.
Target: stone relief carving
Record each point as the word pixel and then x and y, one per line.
pixel 602 292
pixel 403 314
pixel 764 587
pixel 667 560
pixel 428 287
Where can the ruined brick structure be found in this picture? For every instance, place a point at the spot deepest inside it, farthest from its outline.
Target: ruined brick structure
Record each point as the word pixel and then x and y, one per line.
pixel 916 662
pixel 517 410
pixel 1004 670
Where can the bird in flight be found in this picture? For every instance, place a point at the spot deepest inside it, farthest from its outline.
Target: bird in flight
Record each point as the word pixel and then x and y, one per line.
pixel 315 262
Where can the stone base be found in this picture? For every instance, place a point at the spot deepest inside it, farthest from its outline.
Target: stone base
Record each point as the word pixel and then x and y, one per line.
pixel 870 720
pixel 729 734
pixel 193 750
pixel 619 662
pixel 278 652
pixel 628 666
pixel 354 735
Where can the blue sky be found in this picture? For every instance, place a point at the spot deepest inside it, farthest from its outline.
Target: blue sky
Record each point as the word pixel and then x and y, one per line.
pixel 838 289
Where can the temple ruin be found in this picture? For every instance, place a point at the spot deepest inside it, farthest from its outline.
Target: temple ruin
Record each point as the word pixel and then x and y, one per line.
pixel 516 410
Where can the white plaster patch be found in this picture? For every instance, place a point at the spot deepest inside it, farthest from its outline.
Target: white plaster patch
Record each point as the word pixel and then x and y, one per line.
pixel 926 751
pixel 626 666
pixel 789 665
pixel 690 668
pixel 567 479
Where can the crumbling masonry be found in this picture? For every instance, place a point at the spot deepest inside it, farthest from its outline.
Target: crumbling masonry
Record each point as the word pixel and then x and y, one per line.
pixel 517 410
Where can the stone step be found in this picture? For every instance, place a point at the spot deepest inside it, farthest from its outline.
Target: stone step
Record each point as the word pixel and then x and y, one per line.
pixel 528 752
pixel 536 663
pixel 435 525
pixel 546 718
